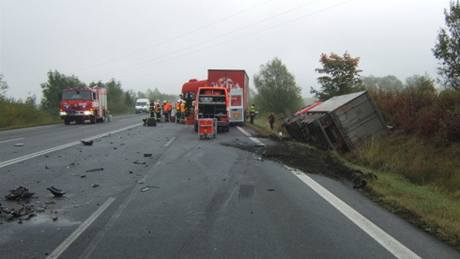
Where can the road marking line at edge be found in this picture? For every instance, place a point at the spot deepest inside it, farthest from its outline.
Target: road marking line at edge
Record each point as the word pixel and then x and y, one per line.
pixel 71 144
pixel 83 226
pixel 253 139
pixel 170 141
pixel 378 234
pixel 10 140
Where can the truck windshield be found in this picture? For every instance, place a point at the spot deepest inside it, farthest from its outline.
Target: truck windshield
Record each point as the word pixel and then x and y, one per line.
pixel 76 95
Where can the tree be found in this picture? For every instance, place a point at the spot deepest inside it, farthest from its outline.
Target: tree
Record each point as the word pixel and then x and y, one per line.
pixel 115 97
pixel 3 87
pixel 52 90
pixel 447 48
pixel 277 89
pixel 341 76
pixel 390 83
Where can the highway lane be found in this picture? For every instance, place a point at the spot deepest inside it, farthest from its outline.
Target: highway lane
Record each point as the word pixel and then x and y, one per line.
pixel 191 199
pixel 44 137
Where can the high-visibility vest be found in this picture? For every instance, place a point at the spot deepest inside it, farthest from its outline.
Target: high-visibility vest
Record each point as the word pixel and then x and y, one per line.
pixel 182 107
pixel 177 106
pixel 252 109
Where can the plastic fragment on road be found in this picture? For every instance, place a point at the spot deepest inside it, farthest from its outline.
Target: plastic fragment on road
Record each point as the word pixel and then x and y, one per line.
pixel 19 144
pixel 56 192
pixel 87 142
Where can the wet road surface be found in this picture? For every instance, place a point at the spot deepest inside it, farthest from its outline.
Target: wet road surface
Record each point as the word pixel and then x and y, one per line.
pixel 163 193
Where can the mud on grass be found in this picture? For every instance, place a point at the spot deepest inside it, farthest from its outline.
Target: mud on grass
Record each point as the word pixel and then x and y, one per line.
pixel 307 159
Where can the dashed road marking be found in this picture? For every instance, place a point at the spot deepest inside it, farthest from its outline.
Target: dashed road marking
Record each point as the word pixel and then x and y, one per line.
pixel 83 226
pixel 170 141
pixel 10 140
pixel 384 239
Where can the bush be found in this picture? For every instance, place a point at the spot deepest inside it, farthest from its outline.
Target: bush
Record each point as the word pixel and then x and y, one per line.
pixel 16 114
pixel 419 109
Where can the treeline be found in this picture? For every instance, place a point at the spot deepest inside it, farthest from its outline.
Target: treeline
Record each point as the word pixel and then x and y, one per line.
pixel 20 113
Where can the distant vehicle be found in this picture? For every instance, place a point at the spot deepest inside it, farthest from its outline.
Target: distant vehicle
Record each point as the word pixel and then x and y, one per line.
pixel 213 103
pixel 142 105
pixel 83 104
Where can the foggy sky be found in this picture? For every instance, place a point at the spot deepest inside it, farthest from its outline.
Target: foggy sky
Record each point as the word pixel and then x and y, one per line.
pixel 153 43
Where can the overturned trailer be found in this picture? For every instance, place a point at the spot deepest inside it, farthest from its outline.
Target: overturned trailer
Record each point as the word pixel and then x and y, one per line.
pixel 338 123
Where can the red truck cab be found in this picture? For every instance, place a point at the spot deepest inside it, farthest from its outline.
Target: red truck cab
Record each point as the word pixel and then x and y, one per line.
pixel 213 102
pixel 81 104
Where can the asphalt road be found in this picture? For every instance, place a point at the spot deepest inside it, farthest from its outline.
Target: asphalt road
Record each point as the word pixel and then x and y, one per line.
pixel 187 199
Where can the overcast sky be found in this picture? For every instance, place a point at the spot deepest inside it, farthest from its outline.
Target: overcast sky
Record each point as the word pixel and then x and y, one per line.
pixel 155 43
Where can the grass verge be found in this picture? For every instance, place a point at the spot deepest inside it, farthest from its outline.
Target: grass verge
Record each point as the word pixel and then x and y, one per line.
pixel 15 115
pixel 428 206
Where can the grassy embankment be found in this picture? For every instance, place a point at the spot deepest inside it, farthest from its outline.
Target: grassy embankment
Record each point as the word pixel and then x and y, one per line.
pixel 19 115
pixel 417 180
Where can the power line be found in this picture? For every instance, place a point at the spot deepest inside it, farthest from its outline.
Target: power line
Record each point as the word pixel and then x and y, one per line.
pixel 180 35
pixel 189 50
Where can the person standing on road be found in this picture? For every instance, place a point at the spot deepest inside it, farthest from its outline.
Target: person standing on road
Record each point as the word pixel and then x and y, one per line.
pixel 158 110
pixel 182 110
pixel 271 120
pixel 165 111
pixel 252 113
pixel 178 113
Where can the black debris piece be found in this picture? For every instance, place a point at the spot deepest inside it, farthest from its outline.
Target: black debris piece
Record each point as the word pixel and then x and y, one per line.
pixel 115 148
pixel 55 218
pixel 95 185
pixel 46 167
pixel 18 194
pixel 19 144
pixel 83 176
pixel 147 155
pixel 137 162
pixel 24 212
pixel 56 192
pixel 131 172
pixel 95 170
pixel 87 142
pixel 271 190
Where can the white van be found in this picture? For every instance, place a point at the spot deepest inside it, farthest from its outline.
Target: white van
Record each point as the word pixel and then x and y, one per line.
pixel 142 105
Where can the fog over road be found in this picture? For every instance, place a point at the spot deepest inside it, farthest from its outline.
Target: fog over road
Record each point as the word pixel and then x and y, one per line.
pixel 188 199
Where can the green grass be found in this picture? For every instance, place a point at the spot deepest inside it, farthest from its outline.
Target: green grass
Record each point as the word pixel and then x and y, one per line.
pixel 18 115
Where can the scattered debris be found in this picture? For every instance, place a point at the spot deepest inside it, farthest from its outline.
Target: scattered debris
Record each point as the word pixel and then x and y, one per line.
pixel 271 190
pixel 83 176
pixel 115 148
pixel 140 182
pixel 147 155
pixel 87 142
pixel 56 192
pixel 24 212
pixel 95 185
pixel 18 194
pixel 131 172
pixel 46 167
pixel 50 202
pixel 95 170
pixel 137 162
pixel 19 144
pixel 145 189
pixel 55 218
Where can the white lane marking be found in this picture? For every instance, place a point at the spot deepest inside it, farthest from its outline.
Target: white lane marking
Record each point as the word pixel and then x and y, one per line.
pixel 243 131
pixel 378 234
pixel 169 142
pixel 253 139
pixel 71 144
pixel 10 140
pixel 70 239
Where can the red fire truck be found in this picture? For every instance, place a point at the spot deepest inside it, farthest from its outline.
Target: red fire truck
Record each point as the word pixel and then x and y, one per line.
pixel 84 104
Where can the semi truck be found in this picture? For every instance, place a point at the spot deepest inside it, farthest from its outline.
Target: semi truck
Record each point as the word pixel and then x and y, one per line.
pixel 213 103
pixel 237 84
pixel 84 104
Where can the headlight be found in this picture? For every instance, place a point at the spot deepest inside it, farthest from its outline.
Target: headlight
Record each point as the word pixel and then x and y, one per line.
pixel 88 113
pixel 62 113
